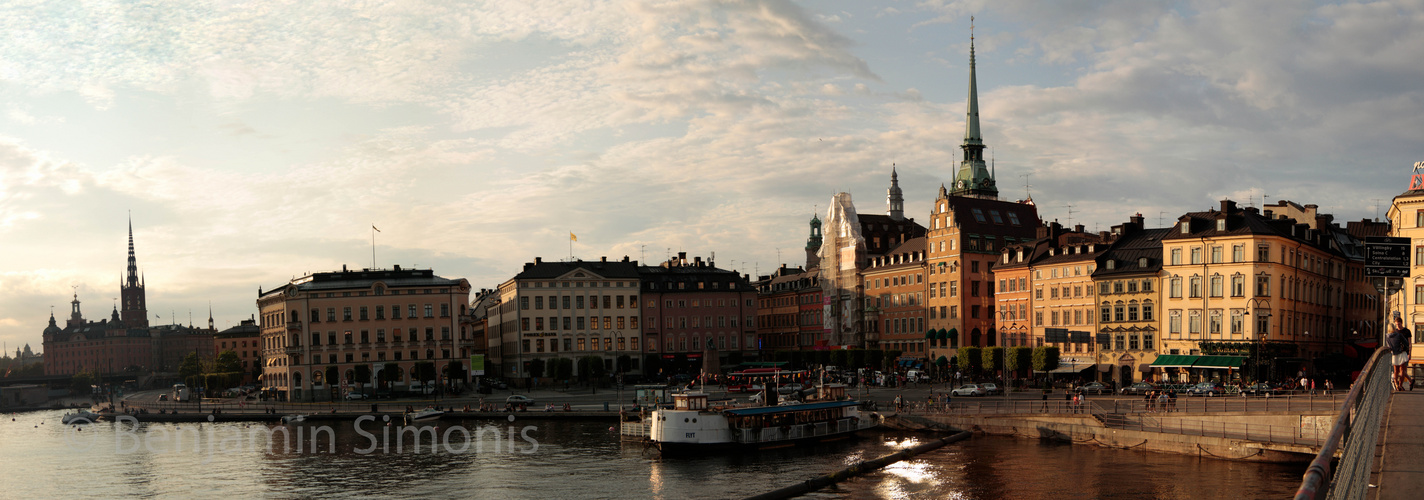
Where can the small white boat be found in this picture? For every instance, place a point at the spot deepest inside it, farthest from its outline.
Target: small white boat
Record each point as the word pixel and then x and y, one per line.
pixel 80 417
pixel 293 418
pixel 424 415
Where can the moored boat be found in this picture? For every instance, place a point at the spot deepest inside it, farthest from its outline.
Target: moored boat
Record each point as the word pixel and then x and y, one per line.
pixel 293 418
pixel 80 417
pixel 425 415
pixel 690 425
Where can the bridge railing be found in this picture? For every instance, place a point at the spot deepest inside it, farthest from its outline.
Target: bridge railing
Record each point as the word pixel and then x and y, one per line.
pixel 1354 435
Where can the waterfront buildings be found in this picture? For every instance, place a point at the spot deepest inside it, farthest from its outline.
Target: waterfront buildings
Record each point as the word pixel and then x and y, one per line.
pixel 125 341
pixel 243 340
pixel 967 228
pixel 895 289
pixel 1244 275
pixel 779 308
pixel 573 309
pixel 696 316
pixel 317 329
pixel 1129 296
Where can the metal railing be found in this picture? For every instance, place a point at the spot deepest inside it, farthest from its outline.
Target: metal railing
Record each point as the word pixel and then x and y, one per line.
pixel 798 431
pixel 1289 404
pixel 1354 434
pixel 1277 434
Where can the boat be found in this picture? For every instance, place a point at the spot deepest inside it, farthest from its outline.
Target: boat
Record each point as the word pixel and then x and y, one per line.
pixel 293 418
pixel 80 417
pixel 691 426
pixel 424 415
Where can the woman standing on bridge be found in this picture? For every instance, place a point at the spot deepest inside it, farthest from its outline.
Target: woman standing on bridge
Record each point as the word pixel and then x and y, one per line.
pixel 1399 346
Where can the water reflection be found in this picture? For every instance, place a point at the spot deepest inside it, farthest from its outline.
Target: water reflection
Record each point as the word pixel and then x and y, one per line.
pixel 587 460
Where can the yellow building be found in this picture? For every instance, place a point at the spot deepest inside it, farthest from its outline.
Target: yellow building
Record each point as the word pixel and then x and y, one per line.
pixel 1129 300
pixel 1243 275
pixel 1406 216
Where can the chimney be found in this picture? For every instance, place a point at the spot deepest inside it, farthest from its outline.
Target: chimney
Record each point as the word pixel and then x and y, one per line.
pixel 1269 215
pixel 397 267
pixel 604 259
pixel 343 268
pixel 1228 206
pixel 1078 228
pixel 1138 220
pixel 538 260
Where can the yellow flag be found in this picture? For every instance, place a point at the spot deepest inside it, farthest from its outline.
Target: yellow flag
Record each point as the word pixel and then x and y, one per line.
pixel 572 237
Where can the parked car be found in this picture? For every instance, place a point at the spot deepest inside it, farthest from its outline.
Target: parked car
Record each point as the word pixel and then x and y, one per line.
pixel 1261 388
pixel 968 390
pixel 163 397
pixel 991 389
pixel 519 399
pixel 497 384
pixel 744 388
pixel 1139 388
pixel 1094 388
pixel 1207 389
pixel 355 396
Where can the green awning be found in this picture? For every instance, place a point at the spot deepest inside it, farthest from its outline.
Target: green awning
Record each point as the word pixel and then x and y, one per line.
pixel 951 334
pixel 1174 361
pixel 1219 362
pixel 931 333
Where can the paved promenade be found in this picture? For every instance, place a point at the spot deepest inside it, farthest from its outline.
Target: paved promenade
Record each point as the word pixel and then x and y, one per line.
pixel 1401 463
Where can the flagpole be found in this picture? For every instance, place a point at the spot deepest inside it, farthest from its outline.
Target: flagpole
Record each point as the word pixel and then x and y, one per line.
pixel 373 246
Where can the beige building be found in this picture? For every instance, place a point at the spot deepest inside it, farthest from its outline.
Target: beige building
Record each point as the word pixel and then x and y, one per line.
pixel 1129 300
pixel 1243 275
pixel 318 328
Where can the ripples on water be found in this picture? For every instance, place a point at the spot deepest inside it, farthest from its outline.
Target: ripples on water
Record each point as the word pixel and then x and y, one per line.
pixel 587 460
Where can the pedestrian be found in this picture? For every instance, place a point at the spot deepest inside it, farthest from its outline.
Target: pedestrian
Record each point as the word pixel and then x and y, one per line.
pixel 1172 399
pixel 1304 384
pixel 1149 400
pixel 1399 348
pixel 1312 387
pixel 1328 386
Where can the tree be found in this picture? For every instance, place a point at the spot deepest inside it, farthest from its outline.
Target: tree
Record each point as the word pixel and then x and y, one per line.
pixel 190 368
pixel 970 358
pixel 1045 358
pixel 591 368
pixel 993 359
pixel 857 358
pixel 891 357
pixel 563 368
pixel 424 371
pixel 841 358
pixel 652 364
pixel 625 363
pixel 1020 358
pixel 536 368
pixel 876 358
pixel 363 376
pixel 333 376
pixel 390 374
pixel 81 383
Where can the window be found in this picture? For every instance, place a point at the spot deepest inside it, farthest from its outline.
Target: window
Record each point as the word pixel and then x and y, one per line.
pixel 1176 287
pixel 1196 255
pixel 1238 253
pixel 1236 321
pixel 1194 321
pixel 1132 311
pixel 1263 253
pixel 429 312
pixel 1263 286
pixel 331 314
pixel 1216 283
pixel 1176 256
pixel 1174 321
pixel 1118 311
pixel 1214 326
pixel 1195 288
pixel 410 310
pixel 445 308
pixel 1118 341
pixel 1216 251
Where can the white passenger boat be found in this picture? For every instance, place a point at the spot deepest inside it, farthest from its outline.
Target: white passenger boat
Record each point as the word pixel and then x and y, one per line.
pixel 690 425
pixel 293 419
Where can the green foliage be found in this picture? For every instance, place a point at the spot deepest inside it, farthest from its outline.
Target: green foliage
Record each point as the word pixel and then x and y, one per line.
pixel 1045 358
pixel 875 358
pixel 891 357
pixel 190 367
pixel 536 368
pixel 1020 358
pixel 971 358
pixel 363 374
pixel 993 358
pixel 652 363
pixel 841 358
pixel 392 373
pixel 591 368
pixel 624 363
pixel 333 376
pixel 228 362
pixel 561 368
pixel 424 371
pixel 857 358
pixel 81 383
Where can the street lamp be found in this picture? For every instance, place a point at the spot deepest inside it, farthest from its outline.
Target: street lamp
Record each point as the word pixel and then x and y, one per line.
pixel 1260 335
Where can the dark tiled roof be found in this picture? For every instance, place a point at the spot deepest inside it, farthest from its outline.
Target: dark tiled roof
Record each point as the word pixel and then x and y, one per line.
pixel 1129 249
pixel 602 269
pixel 964 217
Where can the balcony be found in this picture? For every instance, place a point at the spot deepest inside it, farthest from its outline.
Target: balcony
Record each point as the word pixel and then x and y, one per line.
pixel 295 326
pixel 295 349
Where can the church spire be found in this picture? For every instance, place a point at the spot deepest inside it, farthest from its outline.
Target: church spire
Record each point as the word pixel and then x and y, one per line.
pixel 973 177
pixel 133 262
pixel 895 197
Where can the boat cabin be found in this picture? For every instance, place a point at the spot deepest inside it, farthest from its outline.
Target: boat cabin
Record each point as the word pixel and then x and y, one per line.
pixel 831 392
pixel 691 401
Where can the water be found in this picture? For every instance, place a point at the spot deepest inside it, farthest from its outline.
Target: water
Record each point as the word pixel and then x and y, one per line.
pixel 576 459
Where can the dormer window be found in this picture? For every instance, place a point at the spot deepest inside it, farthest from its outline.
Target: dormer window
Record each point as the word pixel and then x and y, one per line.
pixel 1221 224
pixel 1186 227
pixel 1142 262
pixel 1111 264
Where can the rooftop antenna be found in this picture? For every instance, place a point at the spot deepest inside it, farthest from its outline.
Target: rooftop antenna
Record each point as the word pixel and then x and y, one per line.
pixel 1377 207
pixel 778 255
pixel 1070 214
pixel 1159 218
pixel 992 162
pixel 1027 195
pixel 643 253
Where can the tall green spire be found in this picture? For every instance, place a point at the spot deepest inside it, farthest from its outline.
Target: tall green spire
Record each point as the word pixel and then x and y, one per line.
pixel 973 178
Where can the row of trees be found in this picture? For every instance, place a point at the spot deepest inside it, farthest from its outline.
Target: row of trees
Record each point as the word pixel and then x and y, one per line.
pixel 1016 360
pixel 217 373
pixel 876 359
pixel 589 368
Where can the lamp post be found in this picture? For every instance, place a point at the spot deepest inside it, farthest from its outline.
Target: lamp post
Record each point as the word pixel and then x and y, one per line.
pixel 1260 335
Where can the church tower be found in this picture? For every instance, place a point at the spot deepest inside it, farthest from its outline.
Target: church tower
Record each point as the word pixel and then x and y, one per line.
pixel 973 178
pixel 135 304
pixel 895 199
pixel 813 244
